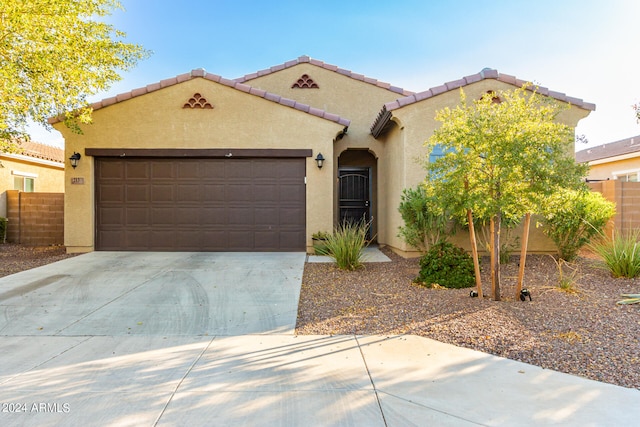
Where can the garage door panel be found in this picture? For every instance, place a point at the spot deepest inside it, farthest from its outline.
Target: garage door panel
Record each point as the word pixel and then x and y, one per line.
pixel 112 239
pixel 188 216
pixel 200 204
pixel 291 193
pixel 237 169
pixel 213 192
pixel 163 170
pixel 266 216
pixel 239 193
pixel 266 193
pixel 111 193
pixel 291 215
pixel 213 216
pixel 111 216
pixel 136 170
pixel 188 193
pixel 137 216
pixel 137 193
pixel 162 193
pixel 163 216
pixel 240 216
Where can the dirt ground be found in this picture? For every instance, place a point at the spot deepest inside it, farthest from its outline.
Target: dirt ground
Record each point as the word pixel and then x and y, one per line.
pixel 579 330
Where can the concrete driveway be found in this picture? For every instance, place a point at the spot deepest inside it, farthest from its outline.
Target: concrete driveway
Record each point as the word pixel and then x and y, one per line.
pixel 206 339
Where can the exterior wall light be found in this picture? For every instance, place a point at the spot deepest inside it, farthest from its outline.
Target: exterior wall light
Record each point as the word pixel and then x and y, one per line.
pixel 74 159
pixel 319 160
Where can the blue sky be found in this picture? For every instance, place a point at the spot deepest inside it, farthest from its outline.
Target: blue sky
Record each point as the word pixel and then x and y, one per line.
pixel 588 49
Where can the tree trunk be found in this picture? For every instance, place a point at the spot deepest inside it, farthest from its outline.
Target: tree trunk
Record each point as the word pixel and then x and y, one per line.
pixel 523 253
pixel 474 252
pixel 495 255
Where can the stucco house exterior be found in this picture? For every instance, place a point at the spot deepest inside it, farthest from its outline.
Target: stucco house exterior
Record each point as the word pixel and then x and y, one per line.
pixel 615 160
pixel 200 162
pixel 34 167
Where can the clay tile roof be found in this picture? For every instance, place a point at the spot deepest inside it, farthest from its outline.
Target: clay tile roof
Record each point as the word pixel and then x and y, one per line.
pixel 41 151
pixel 612 149
pixel 306 60
pixel 201 73
pixel 381 122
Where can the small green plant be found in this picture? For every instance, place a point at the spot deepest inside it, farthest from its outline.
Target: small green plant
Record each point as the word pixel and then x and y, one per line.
pixel 630 299
pixel 446 265
pixel 567 280
pixel 3 229
pixel 320 242
pixel 346 243
pixel 620 253
pixel 425 222
pixel 572 218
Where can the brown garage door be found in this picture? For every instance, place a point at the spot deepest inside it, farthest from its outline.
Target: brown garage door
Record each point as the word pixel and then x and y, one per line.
pixel 200 204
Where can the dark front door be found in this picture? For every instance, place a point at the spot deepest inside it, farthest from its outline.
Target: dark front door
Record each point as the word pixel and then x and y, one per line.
pixel 354 194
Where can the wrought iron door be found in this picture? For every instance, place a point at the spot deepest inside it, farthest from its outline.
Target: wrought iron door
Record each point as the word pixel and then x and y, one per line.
pixel 354 194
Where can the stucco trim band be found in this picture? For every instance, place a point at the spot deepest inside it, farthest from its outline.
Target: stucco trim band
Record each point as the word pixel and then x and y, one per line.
pixel 204 152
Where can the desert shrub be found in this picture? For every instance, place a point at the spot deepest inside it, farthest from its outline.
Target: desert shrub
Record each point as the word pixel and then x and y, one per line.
pixel 446 265
pixel 3 229
pixel 425 222
pixel 620 253
pixel 572 218
pixel 346 243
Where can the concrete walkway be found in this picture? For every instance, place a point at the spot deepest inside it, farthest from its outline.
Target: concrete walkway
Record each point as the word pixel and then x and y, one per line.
pixel 127 339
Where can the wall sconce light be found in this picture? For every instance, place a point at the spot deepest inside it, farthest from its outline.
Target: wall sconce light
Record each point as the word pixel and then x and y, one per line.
pixel 319 160
pixel 74 159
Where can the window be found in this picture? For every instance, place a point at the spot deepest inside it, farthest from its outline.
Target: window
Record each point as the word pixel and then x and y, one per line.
pixel 631 175
pixel 24 181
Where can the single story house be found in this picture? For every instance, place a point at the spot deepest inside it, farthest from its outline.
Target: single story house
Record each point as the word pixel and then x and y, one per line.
pixel 33 167
pixel 199 162
pixel 615 160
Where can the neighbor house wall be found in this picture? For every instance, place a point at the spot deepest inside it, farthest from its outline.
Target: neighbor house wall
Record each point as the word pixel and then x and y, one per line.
pixel 157 120
pixel 610 168
pixel 49 175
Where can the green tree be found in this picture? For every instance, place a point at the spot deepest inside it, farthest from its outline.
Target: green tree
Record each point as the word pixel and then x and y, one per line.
pixel 53 55
pixel 503 154
pixel 572 218
pixel 425 220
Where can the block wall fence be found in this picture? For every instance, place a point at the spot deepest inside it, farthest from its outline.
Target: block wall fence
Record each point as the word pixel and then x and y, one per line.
pixel 35 219
pixel 626 196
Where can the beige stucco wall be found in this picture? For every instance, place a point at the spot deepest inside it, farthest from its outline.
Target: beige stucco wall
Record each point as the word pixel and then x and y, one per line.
pixel 415 125
pixel 157 120
pixel 50 176
pixel 352 99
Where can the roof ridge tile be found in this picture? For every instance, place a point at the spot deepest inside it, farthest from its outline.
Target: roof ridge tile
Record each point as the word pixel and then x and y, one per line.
pixel 236 84
pixel 486 73
pixel 307 60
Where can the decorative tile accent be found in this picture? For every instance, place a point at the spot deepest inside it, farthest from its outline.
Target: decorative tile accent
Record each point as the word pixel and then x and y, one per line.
pixel 198 101
pixel 305 82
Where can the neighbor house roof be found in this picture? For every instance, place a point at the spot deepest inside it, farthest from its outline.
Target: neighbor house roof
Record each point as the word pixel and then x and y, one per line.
pixel 201 73
pixel 306 60
pixel 383 119
pixel 613 149
pixel 41 151
pixel 37 152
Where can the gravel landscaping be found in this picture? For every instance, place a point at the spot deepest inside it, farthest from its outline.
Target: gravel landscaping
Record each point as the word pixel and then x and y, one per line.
pixel 580 331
